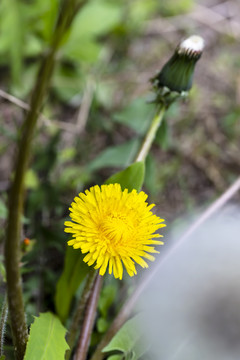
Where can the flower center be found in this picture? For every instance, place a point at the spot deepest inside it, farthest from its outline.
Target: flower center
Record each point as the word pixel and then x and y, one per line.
pixel 116 230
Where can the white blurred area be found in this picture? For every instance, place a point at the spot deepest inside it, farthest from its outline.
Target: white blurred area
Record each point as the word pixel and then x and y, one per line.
pixel 193 302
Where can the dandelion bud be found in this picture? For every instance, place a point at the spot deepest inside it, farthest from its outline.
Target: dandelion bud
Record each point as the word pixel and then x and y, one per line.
pixel 177 74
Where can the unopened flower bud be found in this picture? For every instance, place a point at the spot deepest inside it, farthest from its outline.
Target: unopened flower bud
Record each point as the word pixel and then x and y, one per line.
pixel 177 73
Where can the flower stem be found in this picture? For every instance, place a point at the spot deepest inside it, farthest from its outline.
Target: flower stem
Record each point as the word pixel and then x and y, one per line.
pixel 150 136
pixel 3 320
pixel 85 336
pixel 16 196
pixel 78 316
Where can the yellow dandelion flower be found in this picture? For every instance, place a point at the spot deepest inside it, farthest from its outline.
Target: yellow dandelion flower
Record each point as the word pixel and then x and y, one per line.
pixel 114 228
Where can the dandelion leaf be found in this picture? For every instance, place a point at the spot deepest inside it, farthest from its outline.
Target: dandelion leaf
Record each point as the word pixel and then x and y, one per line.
pixel 130 178
pixel 128 340
pixel 47 339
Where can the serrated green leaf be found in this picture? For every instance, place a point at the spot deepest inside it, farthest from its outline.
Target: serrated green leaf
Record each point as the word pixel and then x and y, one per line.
pixel 118 156
pixel 74 272
pixel 47 339
pixel 130 178
pixel 128 338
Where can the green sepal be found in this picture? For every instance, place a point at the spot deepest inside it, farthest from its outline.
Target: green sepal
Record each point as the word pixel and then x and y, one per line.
pixel 130 178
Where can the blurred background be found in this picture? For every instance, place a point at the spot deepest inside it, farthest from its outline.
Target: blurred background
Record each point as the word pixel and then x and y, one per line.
pixel 192 303
pixel 97 111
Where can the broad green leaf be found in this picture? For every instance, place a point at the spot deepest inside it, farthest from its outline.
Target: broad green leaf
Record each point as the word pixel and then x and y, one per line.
pixel 2 357
pixel 96 18
pixel 136 115
pixel 88 51
pixel 47 339
pixel 117 156
pixel 74 272
pixel 130 178
pixel 129 339
pixel 115 357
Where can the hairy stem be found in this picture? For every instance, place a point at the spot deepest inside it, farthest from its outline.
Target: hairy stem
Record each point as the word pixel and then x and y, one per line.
pixel 129 305
pixel 3 320
pixel 85 336
pixel 78 316
pixel 16 196
pixel 150 136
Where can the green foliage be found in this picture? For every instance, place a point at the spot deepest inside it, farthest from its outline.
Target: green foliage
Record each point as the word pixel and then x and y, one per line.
pixel 117 156
pixel 129 341
pixel 230 122
pixel 96 19
pixel 106 301
pixel 115 357
pixel 11 30
pixel 130 178
pixel 31 180
pixel 136 115
pixel 2 269
pixel 74 272
pixel 3 210
pixel 107 298
pixel 47 339
pixel 174 7
pixel 162 136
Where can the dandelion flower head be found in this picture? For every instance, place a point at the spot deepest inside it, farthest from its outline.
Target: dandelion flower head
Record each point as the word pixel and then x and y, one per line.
pixel 114 228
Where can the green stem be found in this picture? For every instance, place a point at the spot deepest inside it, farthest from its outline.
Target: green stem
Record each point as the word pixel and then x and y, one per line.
pixel 78 316
pixel 3 320
pixel 85 336
pixel 150 136
pixel 16 196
